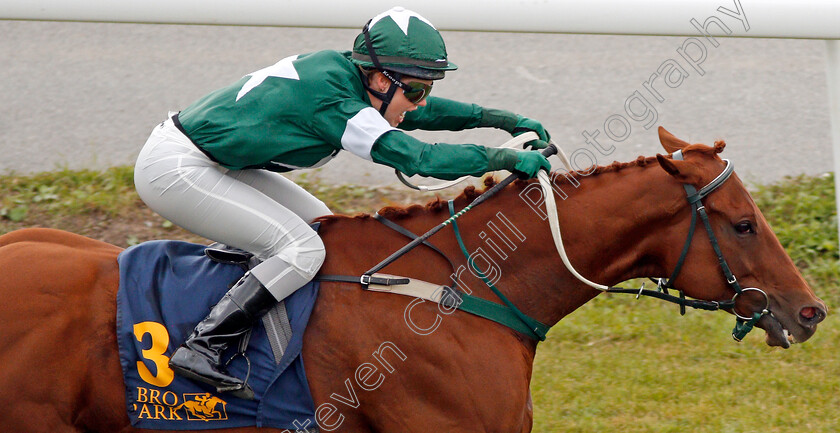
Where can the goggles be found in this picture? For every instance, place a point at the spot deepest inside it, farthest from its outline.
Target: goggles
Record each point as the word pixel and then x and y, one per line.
pixel 414 91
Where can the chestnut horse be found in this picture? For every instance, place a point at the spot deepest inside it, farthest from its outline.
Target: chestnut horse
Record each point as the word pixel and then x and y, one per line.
pixel 385 363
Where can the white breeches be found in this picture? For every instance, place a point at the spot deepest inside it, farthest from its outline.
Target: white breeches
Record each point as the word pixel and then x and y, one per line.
pixel 256 210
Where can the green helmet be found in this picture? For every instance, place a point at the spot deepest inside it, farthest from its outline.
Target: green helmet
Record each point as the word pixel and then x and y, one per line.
pixel 402 41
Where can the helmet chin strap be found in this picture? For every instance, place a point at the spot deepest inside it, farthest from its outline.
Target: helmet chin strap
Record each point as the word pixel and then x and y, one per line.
pixel 385 97
pixel 389 95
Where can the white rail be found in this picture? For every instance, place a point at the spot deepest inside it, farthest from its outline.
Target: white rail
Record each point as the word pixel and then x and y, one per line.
pixel 833 74
pixel 814 19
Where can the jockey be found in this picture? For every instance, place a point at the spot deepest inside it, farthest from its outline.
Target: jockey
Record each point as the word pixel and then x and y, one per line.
pixel 213 167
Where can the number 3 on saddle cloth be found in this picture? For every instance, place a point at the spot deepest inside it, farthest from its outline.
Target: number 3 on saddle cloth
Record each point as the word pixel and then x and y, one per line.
pixel 166 288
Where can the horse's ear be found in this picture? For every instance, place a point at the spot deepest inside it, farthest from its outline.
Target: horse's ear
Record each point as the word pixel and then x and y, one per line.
pixel 668 165
pixel 681 170
pixel 669 142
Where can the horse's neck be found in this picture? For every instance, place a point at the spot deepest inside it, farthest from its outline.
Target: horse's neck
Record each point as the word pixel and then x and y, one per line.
pixel 607 226
pixel 610 226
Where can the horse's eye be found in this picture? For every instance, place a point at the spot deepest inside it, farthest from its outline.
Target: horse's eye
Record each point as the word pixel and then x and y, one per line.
pixel 744 227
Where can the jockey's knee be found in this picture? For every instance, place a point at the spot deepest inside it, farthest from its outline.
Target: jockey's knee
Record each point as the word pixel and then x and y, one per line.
pixel 294 266
pixel 305 256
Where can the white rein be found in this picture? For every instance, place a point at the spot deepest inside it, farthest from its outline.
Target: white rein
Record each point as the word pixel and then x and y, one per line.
pixel 554 223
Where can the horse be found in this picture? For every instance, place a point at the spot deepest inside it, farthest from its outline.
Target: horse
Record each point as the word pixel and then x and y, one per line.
pixel 379 362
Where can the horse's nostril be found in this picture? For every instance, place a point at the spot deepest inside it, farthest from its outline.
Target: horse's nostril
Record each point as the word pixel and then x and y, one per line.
pixel 811 315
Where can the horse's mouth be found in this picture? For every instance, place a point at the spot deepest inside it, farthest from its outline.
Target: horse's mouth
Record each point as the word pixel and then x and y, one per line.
pixel 778 334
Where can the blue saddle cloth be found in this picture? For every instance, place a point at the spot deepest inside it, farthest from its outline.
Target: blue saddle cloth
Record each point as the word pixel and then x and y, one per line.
pixel 166 288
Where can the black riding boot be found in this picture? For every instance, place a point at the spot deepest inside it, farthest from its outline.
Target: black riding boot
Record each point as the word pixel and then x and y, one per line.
pixel 200 357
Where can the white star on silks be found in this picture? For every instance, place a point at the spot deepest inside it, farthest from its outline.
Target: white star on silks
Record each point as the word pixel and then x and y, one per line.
pixel 400 16
pixel 282 69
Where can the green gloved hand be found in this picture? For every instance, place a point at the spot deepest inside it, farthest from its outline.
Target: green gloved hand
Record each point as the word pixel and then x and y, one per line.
pixel 529 164
pixel 515 125
pixel 524 124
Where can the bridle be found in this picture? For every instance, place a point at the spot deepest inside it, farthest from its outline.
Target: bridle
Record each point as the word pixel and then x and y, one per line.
pixel 744 324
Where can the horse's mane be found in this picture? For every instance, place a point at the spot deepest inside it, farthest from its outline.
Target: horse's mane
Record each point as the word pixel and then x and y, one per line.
pixel 471 192
pixel 642 161
pixel 433 206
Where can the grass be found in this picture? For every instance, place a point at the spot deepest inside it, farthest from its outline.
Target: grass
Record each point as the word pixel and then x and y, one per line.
pixel 66 192
pixel 623 365
pixel 803 214
pixel 636 366
pixel 616 364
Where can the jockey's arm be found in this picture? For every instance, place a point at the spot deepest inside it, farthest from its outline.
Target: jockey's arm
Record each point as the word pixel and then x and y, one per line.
pixel 441 114
pixel 442 161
